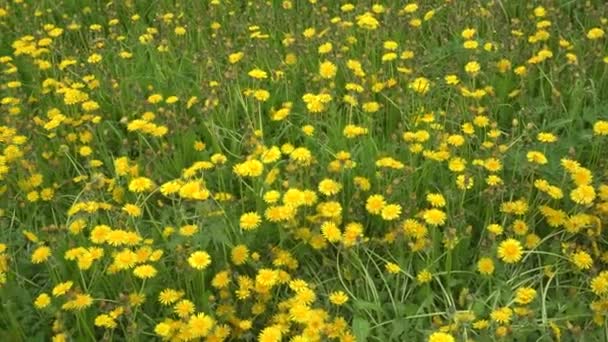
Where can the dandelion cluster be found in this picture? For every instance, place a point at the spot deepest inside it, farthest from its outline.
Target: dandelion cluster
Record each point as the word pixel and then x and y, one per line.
pixel 303 171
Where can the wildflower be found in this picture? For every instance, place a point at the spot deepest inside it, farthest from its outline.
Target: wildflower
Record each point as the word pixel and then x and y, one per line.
pixel 140 184
pixel 221 280
pixel 520 227
pixel 468 33
pixel 584 194
pixel 472 68
pixel 200 325
pixel 457 164
pixel 545 137
pixel 258 74
pixel 492 165
pixel 424 276
pixel 331 232
pixel 367 21
pixel 199 260
pixel 261 95
pixel 327 70
pixel 525 295
pixel 436 200
pixel 271 155
pixel 132 210
pixel 41 254
pixel 62 288
pixel 183 308
pixel 250 221
pixel 481 324
pixel 371 107
pixel 301 155
pixel 80 302
pixel 234 58
pixel 392 268
pixel 485 266
pixel 329 187
pixel 338 298
pixel 270 334
pixel 510 251
pixel 495 229
pixel 420 85
pixel 502 315
pixel 42 301
pixel 441 337
pixel 600 127
pixel 105 321
pixel 267 277
pixel 536 157
pixel 308 130
pixel 595 33
pixel 599 284
pixel 391 212
pixel 375 204
pixel 180 30
pixel 163 330
pixel 155 98
pixel 325 48
pixel 125 259
pixel 145 271
pixel 582 260
pixel 169 296
pixel 434 217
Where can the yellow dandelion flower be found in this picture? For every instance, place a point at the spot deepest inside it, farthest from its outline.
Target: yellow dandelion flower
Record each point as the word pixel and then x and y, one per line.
pixel 199 260
pixel 510 251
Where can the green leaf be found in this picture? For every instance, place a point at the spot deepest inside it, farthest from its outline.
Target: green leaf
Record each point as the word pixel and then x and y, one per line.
pixel 410 309
pixel 219 236
pixel 399 327
pixel 366 305
pixel 361 328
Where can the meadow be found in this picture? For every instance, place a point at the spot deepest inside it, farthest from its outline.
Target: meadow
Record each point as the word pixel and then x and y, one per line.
pixel 303 170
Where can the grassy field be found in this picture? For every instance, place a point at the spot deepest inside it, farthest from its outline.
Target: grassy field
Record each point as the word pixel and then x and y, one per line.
pixel 305 170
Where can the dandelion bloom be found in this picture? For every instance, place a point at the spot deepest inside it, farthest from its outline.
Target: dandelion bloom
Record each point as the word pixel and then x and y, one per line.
pixel 391 212
pixel 145 271
pixel 267 277
pixel 140 184
pixel 338 298
pixel 200 325
pixel 250 221
pixel 595 33
pixel 327 70
pixel 582 260
pixel 392 268
pixel 199 260
pixel 599 284
pixel 600 127
pixel 420 85
pixel 441 337
pixel 41 254
pixel 375 204
pixel 270 334
pixel 434 217
pixel 331 232
pixel 510 251
pixel 525 295
pixel 502 315
pixel 485 266
pixel 584 194
pixel 42 301
pixel 62 288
